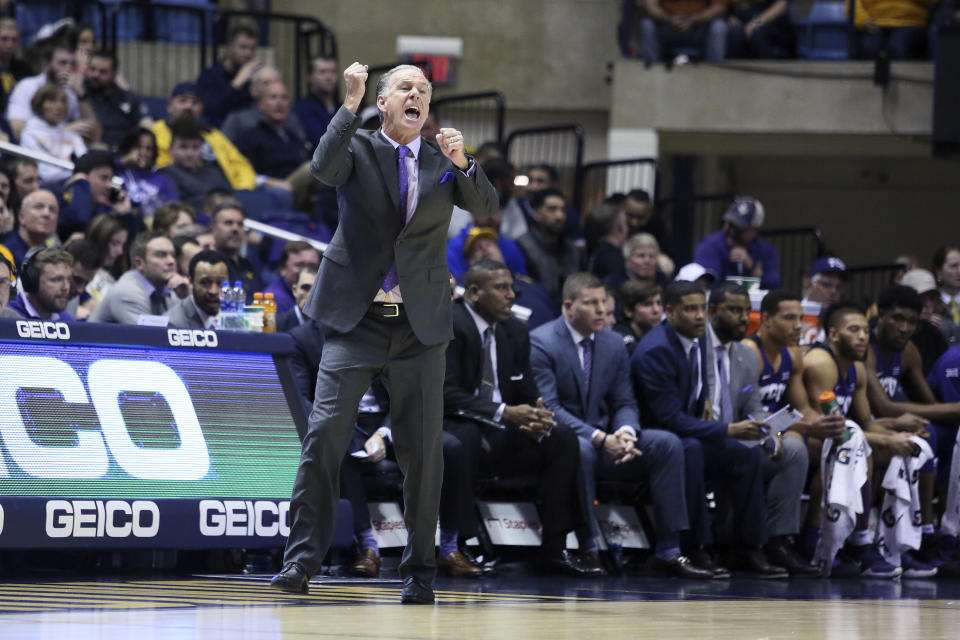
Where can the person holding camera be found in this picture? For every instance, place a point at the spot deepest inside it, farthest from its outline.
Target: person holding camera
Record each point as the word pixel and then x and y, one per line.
pixel 94 189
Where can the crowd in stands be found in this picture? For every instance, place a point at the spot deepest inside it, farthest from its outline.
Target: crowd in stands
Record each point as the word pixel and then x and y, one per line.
pixel 676 31
pixel 628 367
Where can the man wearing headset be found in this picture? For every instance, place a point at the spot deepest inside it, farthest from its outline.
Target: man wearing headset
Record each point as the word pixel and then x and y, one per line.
pixel 45 286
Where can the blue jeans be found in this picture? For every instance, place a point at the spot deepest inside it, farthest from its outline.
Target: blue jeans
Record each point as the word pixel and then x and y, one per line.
pixel 662 41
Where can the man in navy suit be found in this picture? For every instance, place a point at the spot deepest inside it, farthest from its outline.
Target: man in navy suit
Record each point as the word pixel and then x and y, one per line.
pixel 382 292
pixel 583 373
pixel 670 375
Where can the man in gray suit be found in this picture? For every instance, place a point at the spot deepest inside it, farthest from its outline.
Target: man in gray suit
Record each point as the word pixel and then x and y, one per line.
pixel 383 293
pixel 201 309
pixel 148 288
pixel 583 373
pixel 733 377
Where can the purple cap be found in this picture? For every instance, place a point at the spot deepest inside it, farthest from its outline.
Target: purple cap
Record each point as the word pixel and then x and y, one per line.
pixel 745 213
pixel 183 88
pixel 828 264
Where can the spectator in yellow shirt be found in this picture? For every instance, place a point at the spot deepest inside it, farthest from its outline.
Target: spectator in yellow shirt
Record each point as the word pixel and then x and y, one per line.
pixel 898 27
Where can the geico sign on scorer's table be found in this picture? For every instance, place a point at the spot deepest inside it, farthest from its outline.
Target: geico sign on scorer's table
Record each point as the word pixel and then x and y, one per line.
pixel 88 458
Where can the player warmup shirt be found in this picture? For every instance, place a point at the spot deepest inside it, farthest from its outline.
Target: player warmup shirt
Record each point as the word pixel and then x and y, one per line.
pixel 773 384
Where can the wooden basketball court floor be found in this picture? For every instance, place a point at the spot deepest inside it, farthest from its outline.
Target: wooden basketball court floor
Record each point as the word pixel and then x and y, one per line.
pixel 512 607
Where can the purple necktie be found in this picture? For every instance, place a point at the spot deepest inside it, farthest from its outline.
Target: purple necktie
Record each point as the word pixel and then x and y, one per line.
pixel 587 345
pixel 392 279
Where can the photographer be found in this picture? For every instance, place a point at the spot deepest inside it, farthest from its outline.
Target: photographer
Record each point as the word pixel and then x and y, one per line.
pixel 92 191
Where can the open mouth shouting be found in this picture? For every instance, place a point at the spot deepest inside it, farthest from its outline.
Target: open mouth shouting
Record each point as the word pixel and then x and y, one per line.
pixel 412 113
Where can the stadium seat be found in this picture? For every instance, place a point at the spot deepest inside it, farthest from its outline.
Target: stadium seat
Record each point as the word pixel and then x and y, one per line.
pixel 825 34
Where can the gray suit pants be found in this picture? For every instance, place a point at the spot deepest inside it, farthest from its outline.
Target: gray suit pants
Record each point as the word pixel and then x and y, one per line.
pixel 784 480
pixel 413 374
pixel 662 465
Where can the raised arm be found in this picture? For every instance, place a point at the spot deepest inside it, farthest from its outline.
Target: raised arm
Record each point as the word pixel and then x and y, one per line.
pixel 332 161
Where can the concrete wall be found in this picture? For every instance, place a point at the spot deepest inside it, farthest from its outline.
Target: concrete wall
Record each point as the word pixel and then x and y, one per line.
pixel 542 54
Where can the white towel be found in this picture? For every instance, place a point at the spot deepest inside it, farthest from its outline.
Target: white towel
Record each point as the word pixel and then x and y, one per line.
pixel 950 524
pixel 900 518
pixel 843 469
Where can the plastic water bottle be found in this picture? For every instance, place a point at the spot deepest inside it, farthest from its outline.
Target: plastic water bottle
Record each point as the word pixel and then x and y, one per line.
pixel 269 313
pixel 226 297
pixel 239 296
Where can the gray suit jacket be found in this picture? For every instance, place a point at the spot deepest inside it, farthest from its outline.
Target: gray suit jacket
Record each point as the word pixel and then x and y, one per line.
pixel 608 404
pixel 126 301
pixel 362 165
pixel 186 315
pixel 744 379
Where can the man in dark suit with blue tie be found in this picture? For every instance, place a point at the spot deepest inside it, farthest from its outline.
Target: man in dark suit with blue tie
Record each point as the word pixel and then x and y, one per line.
pixel 669 370
pixel 493 407
pixel 583 373
pixel 382 292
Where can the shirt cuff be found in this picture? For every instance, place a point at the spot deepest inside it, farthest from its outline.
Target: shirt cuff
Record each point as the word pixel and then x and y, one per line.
pixel 471 168
pixel 596 434
pixel 260 180
pixel 499 413
pixel 384 432
pixel 630 429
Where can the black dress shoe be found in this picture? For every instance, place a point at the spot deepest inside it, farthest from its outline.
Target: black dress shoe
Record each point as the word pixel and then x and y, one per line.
pixel 680 567
pixel 563 564
pixel 292 579
pixel 589 562
pixel 753 562
pixel 416 591
pixel 781 554
pixel 703 560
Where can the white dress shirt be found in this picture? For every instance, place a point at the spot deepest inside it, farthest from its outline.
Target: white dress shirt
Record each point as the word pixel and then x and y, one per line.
pixel 482 326
pixel 413 181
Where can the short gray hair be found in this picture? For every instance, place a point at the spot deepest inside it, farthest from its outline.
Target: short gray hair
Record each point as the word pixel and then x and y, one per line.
pixel 384 80
pixel 639 240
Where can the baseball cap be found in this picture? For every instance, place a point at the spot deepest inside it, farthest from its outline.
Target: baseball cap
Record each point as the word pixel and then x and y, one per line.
pixel 745 213
pixel 475 234
pixel 828 264
pixel 693 272
pixel 184 88
pixel 921 280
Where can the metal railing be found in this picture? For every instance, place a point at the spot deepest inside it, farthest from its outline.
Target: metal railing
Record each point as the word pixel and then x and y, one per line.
pixel 560 146
pixel 162 43
pixel 690 219
pixel 797 248
pixel 864 282
pixel 598 180
pixel 479 116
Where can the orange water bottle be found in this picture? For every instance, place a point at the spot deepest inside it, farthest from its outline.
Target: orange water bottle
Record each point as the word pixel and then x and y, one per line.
pixel 269 313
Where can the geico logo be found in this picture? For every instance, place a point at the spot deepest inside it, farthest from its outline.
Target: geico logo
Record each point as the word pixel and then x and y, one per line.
pixel 107 380
pixel 263 518
pixel 41 329
pixel 192 338
pixel 1 519
pixel 98 519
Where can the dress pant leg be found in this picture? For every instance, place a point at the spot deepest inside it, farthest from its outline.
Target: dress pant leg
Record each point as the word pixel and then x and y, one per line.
pixel 457 507
pixel 348 366
pixel 740 467
pixel 353 490
pixel 561 491
pixel 414 376
pixel 784 480
pixel 588 466
pixel 694 470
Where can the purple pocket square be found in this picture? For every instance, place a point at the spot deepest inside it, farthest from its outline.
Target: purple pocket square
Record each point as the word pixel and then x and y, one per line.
pixel 446 176
pixel 747 389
